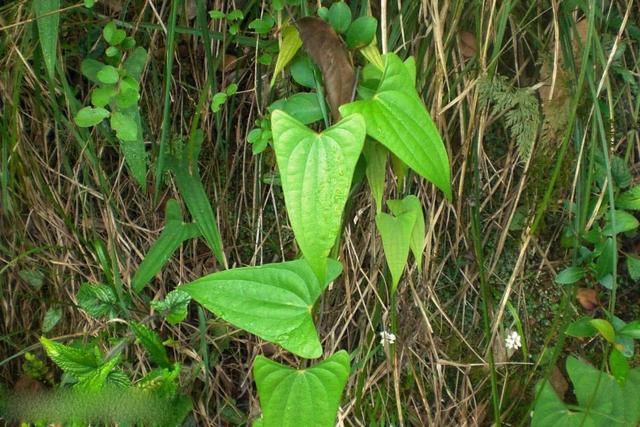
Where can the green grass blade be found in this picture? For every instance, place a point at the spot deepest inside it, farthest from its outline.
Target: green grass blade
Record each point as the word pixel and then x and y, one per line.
pixel 48 25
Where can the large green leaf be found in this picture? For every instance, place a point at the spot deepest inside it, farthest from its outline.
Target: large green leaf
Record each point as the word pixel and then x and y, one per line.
pixel 397 118
pixel 601 400
pixel 316 171
pixel 272 301
pixel 412 204
pixel 396 235
pixel 307 397
pixel 48 24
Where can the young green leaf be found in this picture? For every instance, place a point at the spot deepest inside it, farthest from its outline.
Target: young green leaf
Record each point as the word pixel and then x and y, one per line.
pixel 375 154
pixel 134 64
pixel 112 34
pixel 262 25
pixel 152 343
pixel 101 96
pixel 316 171
pixel 108 75
pixel 396 239
pixel 48 19
pixel 89 68
pixel 396 117
pixel 89 116
pixel 98 300
pixel 412 204
pixel 124 125
pixel 340 16
pixel 570 275
pixel 174 306
pixel 290 45
pixel 605 328
pixel 307 397
pixel 303 107
pixel 629 199
pixel 272 301
pixel 361 32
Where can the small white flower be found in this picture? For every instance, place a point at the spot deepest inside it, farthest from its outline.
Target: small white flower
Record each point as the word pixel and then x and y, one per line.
pixel 513 341
pixel 387 337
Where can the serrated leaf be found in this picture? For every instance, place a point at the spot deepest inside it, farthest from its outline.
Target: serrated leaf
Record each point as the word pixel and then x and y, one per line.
pixel 629 199
pixel 304 107
pixel 48 19
pixel 316 171
pixel 340 16
pixel 361 32
pixel 89 116
pixel 624 222
pixel 396 240
pixel 272 301
pixel 375 154
pixel 570 275
pixel 152 343
pixel 396 117
pixel 51 319
pixel 98 300
pixel 135 62
pixel 290 45
pixel 175 232
pixel 174 307
pixel 412 204
pixel 125 126
pixel 108 75
pixel 75 361
pixel 306 397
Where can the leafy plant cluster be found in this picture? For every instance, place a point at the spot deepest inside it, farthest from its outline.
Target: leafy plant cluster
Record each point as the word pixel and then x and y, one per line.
pixel 275 302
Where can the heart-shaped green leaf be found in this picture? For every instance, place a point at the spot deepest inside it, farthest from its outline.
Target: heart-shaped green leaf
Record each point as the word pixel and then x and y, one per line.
pixel 412 204
pixel 307 397
pixel 396 239
pixel 316 171
pixel 273 301
pixel 397 118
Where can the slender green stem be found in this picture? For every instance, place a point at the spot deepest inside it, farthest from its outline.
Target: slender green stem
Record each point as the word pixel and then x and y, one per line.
pixel 166 123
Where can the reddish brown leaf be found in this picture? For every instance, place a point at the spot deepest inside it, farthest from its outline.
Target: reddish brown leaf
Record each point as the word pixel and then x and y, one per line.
pixel 467 44
pixel 558 382
pixel 588 298
pixel 330 54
